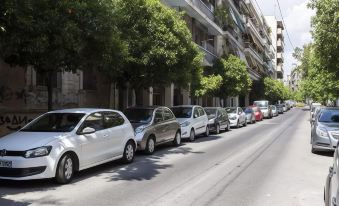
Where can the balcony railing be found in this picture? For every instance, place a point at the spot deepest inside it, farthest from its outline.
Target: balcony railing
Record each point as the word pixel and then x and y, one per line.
pixel 209 51
pixel 207 9
pixel 258 55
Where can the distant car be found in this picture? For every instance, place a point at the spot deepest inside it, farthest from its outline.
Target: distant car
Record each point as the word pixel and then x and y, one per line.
pixel 284 107
pixel 250 116
pixel 280 108
pixel 315 114
pixel 267 111
pixel 331 189
pixel 313 107
pixel 325 130
pixel 193 121
pixel 217 119
pixel 258 114
pixel 274 111
pixel 153 126
pixel 59 143
pixel 236 116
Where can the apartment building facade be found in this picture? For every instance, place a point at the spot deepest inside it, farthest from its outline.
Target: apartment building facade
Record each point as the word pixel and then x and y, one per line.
pixel 23 92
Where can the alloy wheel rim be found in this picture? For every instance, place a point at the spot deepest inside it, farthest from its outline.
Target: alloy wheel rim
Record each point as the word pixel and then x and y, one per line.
pixel 68 168
pixel 151 145
pixel 129 152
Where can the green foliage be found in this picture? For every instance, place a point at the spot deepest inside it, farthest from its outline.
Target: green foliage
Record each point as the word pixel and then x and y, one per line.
pixel 325 33
pixel 235 77
pixel 160 47
pixel 209 85
pixel 59 35
pixel 223 17
pixel 275 90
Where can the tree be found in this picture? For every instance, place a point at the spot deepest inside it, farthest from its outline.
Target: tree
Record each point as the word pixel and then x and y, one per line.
pixel 208 85
pixel 325 33
pixel 235 77
pixel 160 47
pixel 275 90
pixel 52 36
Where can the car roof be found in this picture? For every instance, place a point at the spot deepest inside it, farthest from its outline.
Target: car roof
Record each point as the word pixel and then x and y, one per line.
pixel 82 110
pixel 148 107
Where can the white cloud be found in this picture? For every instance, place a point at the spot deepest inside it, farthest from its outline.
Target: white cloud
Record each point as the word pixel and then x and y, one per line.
pixel 298 23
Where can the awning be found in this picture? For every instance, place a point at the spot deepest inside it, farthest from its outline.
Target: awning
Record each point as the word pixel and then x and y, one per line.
pixel 237 20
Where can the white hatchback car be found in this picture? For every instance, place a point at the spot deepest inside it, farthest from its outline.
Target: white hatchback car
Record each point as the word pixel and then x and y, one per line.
pixel 193 121
pixel 236 116
pixel 59 143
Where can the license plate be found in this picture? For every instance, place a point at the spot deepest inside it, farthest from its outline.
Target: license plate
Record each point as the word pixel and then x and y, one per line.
pixel 7 164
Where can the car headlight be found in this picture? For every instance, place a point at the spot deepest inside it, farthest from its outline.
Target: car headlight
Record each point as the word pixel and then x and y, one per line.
pixel 140 129
pixel 211 121
pixel 322 132
pixel 185 124
pixel 38 152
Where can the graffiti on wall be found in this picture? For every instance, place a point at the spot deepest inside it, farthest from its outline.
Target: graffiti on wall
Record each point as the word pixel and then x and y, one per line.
pixel 14 122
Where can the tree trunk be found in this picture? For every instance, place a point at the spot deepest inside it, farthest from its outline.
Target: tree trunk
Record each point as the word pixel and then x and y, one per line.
pixel 50 90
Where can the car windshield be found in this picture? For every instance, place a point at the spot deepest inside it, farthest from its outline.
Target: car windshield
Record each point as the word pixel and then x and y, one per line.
pixel 331 116
pixel 139 115
pixel 211 112
pixel 261 103
pixel 182 112
pixel 54 122
pixel 248 110
pixel 231 110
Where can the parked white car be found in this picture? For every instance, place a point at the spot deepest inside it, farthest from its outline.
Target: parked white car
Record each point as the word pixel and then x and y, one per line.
pixel 59 143
pixel 193 121
pixel 236 116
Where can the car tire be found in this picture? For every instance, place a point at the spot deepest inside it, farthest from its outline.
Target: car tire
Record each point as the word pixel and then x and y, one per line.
pixel 150 145
pixel 228 127
pixel 207 133
pixel 177 139
pixel 238 124
pixel 65 169
pixel 192 135
pixel 245 124
pixel 129 152
pixel 217 129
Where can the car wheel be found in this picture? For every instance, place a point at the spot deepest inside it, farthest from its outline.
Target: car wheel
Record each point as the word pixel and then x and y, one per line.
pixel 177 139
pixel 228 127
pixel 238 125
pixel 192 135
pixel 129 152
pixel 150 145
pixel 217 129
pixel 65 169
pixel 207 133
pixel 245 124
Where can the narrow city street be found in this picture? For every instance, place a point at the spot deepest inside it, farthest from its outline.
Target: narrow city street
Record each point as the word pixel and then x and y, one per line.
pixel 268 163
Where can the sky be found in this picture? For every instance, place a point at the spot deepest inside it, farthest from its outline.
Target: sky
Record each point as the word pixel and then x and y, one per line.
pixel 298 24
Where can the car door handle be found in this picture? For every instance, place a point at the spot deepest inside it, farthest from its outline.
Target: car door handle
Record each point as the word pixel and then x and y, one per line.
pixel 105 135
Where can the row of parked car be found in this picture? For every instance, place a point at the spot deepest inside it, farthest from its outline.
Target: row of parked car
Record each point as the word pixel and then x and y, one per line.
pixel 324 137
pixel 59 143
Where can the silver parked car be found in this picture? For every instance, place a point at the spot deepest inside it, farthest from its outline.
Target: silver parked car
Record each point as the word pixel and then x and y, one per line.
pixel 274 110
pixel 236 116
pixel 325 129
pixel 250 116
pixel 331 190
pixel 153 126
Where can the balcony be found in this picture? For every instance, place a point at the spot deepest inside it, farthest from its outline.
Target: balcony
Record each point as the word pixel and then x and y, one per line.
pixel 255 31
pixel 210 55
pixel 280 45
pixel 280 58
pixel 280 68
pixel 200 10
pixel 280 32
pixel 254 53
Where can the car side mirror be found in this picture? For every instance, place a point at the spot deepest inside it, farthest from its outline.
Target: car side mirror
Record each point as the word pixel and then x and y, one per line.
pixel 195 116
pixel 87 130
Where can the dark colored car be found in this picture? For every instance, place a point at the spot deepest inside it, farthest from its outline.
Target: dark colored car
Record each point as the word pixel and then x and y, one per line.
pixel 280 108
pixel 153 126
pixel 257 112
pixel 217 119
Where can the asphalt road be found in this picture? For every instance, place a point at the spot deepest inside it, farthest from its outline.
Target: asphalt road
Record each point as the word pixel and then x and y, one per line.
pixel 268 163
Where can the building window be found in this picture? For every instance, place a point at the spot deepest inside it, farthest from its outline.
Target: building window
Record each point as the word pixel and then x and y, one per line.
pixel 89 80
